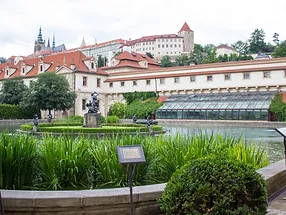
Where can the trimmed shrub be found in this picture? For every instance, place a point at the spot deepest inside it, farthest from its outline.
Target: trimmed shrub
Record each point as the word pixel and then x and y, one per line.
pixel 8 111
pixel 69 120
pixel 105 129
pixel 112 119
pixel 215 185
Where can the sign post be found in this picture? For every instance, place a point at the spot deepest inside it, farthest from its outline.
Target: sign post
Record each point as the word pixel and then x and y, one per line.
pixel 129 157
pixel 282 132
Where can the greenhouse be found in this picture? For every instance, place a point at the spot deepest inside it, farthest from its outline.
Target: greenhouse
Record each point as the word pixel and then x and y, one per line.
pixel 220 106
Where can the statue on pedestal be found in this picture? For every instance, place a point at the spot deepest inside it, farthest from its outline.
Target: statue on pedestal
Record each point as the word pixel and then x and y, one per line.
pixel 93 105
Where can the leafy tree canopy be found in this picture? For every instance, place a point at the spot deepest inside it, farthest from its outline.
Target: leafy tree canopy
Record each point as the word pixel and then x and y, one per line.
pixel 276 39
pixel 256 41
pixel 12 91
pixel 117 109
pixel 149 55
pixel 50 91
pixel 182 60
pixel 280 50
pixel 241 47
pixel 166 61
pixel 101 62
pixel 130 97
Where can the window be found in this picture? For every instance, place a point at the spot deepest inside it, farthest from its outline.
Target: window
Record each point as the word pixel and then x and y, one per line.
pixel 166 45
pixel 92 65
pixel 246 75
pixel 166 52
pixel 158 52
pixel 41 68
pixel 175 40
pixel 110 84
pixel 163 46
pixel 152 48
pixel 166 40
pixel 23 70
pixel 175 45
pixel 285 73
pixel 83 104
pixel 176 80
pixel 227 77
pixel 162 40
pixel 162 81
pixel 7 72
pixel 170 40
pixel 98 82
pixel 209 78
pixel 192 78
pixel 171 52
pixel 148 82
pixel 171 46
pixel 158 40
pixel 84 81
pixel 266 74
pixel 144 49
pixel 179 45
pixel 134 83
pixel 122 83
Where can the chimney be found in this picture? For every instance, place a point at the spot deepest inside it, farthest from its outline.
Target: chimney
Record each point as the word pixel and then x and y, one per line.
pixel 72 65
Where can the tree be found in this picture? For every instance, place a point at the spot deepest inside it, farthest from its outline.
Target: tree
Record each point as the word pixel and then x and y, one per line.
pixel 149 55
pixel 256 42
pixel 209 48
pixel 166 61
pixel 49 92
pixel 12 91
pixel 241 47
pixel 117 53
pixel 197 55
pixel 280 50
pixel 269 47
pixel 101 62
pixel 117 109
pixel 211 58
pixel 276 39
pixel 182 60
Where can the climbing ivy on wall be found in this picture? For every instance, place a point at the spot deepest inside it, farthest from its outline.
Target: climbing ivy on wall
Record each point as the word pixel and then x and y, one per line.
pixel 278 108
pixel 130 97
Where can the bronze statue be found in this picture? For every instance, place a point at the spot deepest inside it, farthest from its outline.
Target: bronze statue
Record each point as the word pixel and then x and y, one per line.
pixel 93 105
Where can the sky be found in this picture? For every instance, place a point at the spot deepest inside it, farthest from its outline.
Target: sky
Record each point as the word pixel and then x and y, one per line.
pixel 213 21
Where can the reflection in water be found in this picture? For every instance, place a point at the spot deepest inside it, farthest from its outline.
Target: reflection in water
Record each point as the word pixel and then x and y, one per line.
pixel 268 137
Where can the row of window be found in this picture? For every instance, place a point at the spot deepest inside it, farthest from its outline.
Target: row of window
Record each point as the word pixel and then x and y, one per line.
pixel 152 43
pixel 167 46
pixel 266 74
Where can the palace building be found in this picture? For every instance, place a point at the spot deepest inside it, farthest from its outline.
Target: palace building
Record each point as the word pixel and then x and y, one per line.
pixel 230 90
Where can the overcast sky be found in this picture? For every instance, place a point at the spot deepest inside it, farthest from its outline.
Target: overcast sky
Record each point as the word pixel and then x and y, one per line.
pixel 213 21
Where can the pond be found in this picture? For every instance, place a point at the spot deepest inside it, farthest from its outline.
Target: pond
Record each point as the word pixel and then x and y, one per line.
pixel 268 137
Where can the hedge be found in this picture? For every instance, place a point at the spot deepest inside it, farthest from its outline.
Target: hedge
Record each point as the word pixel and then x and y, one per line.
pixel 8 111
pixel 76 128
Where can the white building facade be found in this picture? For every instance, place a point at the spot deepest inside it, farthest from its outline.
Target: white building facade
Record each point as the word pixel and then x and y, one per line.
pixel 137 72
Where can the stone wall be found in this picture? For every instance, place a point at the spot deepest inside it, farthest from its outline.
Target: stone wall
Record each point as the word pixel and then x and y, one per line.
pixel 108 201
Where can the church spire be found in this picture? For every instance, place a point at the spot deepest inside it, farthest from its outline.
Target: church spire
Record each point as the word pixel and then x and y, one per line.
pixel 83 42
pixel 40 37
pixel 54 42
pixel 48 45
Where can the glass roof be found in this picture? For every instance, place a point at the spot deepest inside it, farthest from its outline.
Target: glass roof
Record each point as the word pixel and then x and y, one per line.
pixel 229 101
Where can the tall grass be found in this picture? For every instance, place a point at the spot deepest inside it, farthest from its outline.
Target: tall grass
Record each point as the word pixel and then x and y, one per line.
pixel 56 163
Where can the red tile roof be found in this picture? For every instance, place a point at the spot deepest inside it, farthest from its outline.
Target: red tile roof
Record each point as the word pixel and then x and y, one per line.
pixel 224 46
pixel 55 60
pixel 186 27
pixel 132 60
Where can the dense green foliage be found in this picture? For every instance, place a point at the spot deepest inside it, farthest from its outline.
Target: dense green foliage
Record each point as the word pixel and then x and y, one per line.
pixel 256 41
pixel 166 61
pixel 27 162
pixel 101 61
pixel 142 108
pixel 49 92
pixel 215 185
pixel 102 119
pixel 16 112
pixel 77 128
pixel 278 108
pixel 112 119
pixel 69 120
pixel 117 109
pixel 131 97
pixel 12 91
pixel 280 50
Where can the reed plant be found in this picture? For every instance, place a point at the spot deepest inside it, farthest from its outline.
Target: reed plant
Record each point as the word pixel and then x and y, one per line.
pixel 57 163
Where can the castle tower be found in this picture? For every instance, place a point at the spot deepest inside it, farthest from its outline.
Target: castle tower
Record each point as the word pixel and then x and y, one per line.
pixel 188 36
pixel 39 43
pixel 54 42
pixel 83 43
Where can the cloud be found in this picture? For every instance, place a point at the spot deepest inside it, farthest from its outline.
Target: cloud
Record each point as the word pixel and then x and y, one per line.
pixel 219 21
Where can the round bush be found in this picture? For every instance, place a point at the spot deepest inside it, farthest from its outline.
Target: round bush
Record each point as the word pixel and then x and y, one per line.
pixel 215 185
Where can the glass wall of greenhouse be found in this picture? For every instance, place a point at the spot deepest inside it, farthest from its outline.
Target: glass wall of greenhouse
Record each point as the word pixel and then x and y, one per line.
pixel 221 106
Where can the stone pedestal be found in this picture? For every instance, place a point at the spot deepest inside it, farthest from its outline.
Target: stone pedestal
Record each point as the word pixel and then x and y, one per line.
pixel 91 120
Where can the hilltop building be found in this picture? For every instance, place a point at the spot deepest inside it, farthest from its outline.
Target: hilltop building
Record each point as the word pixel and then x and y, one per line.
pixel 40 48
pixel 223 49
